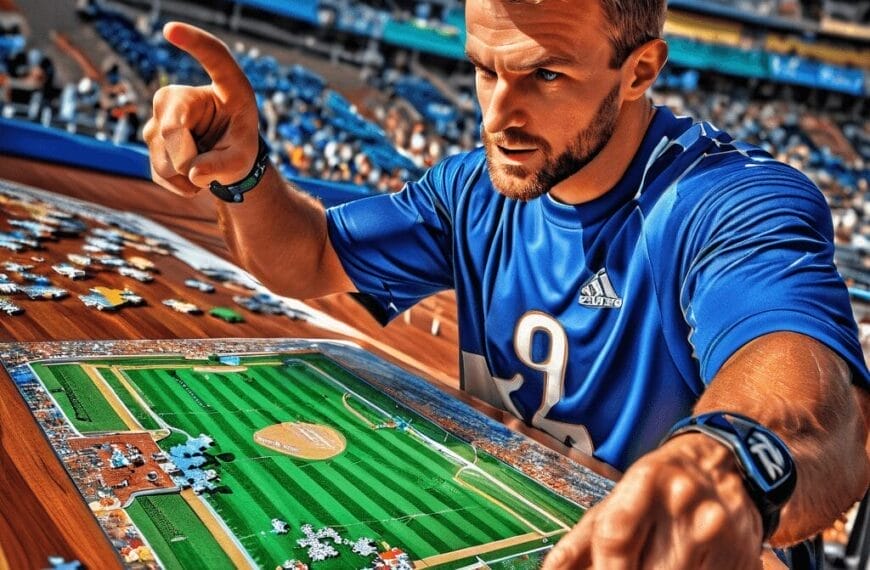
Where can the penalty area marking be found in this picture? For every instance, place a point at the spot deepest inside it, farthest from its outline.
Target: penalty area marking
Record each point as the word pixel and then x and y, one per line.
pixel 302 440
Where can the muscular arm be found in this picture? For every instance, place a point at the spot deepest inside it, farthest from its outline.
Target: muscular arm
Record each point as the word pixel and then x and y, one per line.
pixel 206 133
pixel 279 235
pixel 684 505
pixel 801 390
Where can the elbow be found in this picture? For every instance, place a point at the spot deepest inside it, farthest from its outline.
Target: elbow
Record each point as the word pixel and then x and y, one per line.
pixel 284 280
pixel 833 474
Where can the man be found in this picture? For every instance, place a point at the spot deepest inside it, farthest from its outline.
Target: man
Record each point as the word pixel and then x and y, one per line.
pixel 616 269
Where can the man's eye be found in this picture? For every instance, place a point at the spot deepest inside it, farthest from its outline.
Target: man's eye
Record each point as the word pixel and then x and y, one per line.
pixel 547 75
pixel 483 72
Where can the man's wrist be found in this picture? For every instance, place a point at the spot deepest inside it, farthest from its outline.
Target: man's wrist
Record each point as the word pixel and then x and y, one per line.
pixel 234 193
pixel 762 459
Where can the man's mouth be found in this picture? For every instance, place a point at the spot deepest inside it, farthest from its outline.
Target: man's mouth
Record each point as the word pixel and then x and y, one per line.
pixel 517 153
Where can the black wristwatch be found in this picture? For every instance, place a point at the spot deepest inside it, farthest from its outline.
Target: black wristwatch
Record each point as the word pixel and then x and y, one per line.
pixel 765 462
pixel 235 192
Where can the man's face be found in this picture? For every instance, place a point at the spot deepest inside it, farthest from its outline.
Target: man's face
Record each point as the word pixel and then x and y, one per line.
pixel 549 97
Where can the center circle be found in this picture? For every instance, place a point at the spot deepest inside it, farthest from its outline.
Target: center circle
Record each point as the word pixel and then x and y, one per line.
pixel 302 440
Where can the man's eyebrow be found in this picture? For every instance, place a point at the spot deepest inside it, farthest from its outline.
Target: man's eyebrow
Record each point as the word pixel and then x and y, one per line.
pixel 474 61
pixel 545 62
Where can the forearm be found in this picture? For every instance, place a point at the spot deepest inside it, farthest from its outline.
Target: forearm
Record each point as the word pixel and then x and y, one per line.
pixel 209 133
pixel 801 390
pixel 279 235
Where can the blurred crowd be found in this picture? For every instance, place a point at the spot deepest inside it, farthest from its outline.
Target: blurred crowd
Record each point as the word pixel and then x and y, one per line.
pixel 102 103
pixel 807 10
pixel 402 127
pixel 790 131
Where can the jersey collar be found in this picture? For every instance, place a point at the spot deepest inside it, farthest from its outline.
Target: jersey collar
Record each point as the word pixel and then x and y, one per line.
pixel 590 213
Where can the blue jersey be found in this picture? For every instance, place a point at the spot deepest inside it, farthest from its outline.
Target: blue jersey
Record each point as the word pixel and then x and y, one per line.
pixel 602 323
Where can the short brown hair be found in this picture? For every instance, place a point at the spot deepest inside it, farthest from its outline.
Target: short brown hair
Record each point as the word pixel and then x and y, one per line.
pixel 630 23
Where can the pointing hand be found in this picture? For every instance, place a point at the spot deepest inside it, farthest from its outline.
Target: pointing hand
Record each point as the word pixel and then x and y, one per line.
pixel 200 134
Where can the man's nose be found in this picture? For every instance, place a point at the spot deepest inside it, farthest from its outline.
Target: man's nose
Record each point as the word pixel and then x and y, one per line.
pixel 506 108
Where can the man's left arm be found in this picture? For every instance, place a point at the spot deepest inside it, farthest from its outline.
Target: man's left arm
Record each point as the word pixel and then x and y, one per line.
pixel 684 505
pixel 802 391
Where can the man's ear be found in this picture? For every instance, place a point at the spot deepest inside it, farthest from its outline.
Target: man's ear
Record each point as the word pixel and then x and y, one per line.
pixel 642 68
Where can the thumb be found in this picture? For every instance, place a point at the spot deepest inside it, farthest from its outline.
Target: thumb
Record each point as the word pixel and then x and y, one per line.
pixel 180 148
pixel 224 165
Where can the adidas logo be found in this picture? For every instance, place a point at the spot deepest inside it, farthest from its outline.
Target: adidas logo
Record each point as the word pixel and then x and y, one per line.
pixel 599 292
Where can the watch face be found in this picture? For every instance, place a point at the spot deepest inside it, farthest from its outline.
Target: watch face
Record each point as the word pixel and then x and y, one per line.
pixel 767 467
pixel 768 456
pixel 765 457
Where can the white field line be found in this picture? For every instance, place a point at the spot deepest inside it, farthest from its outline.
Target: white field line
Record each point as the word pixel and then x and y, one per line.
pixel 446 451
pixel 128 383
pixel 495 501
pixel 516 495
pixel 217 519
pixel 347 405
pixel 486 563
pixel 54 400
pixel 113 399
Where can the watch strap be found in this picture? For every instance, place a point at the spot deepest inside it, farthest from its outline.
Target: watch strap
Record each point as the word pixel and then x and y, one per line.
pixel 235 192
pixel 764 460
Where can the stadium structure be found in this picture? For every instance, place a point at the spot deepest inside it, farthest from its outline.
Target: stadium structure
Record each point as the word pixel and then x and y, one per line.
pixel 358 97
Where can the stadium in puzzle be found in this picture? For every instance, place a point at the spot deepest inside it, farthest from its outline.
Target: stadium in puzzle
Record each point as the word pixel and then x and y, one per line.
pixel 292 455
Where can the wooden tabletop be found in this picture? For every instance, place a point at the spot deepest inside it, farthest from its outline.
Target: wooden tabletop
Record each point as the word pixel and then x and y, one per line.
pixel 41 512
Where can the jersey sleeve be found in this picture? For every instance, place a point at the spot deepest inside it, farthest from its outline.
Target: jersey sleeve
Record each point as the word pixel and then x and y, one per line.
pixel 397 248
pixel 762 262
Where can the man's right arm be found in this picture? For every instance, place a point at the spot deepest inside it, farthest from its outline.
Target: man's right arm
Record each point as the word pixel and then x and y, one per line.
pixel 206 133
pixel 279 235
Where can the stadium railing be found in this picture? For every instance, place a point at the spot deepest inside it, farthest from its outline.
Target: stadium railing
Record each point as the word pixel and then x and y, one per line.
pixel 303 10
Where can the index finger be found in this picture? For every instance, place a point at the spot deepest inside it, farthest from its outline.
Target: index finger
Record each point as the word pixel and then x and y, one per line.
pixel 211 53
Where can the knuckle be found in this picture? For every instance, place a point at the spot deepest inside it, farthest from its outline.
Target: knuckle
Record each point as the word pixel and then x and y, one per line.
pixel 162 169
pixel 168 129
pixel 643 473
pixel 161 164
pixel 683 491
pixel 159 177
pixel 615 531
pixel 172 99
pixel 710 522
pixel 149 131
pixel 161 97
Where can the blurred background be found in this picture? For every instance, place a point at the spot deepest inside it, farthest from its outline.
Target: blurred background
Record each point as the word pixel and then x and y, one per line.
pixel 357 97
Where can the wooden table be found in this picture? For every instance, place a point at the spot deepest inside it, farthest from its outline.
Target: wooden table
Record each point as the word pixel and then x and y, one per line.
pixel 41 512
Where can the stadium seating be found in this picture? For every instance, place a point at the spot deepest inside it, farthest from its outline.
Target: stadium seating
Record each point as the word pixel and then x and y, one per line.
pixel 787 45
pixel 316 133
pixel 704 29
pixel 429 102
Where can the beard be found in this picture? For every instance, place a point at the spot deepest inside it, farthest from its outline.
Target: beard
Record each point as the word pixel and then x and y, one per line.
pixel 518 182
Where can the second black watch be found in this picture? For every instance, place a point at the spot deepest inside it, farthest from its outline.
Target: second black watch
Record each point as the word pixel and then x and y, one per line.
pixel 765 462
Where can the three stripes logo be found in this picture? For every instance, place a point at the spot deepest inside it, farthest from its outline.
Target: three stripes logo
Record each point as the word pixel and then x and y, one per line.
pixel 599 292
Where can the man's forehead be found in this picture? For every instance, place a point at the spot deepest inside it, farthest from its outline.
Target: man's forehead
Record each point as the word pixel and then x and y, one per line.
pixel 558 27
pixel 523 11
